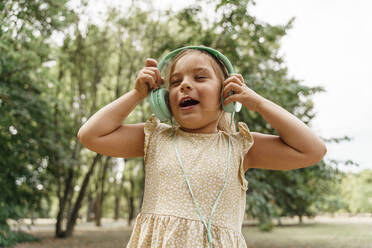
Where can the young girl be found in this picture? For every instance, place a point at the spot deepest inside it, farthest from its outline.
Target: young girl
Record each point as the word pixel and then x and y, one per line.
pixel 195 189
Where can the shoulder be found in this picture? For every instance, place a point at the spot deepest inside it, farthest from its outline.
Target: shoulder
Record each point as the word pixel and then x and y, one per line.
pixel 156 132
pixel 244 137
pixel 153 124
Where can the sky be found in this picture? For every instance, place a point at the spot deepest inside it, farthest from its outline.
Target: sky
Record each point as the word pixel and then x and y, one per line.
pixel 330 46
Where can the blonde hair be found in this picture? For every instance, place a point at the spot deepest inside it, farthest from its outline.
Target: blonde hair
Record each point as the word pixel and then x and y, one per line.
pixel 221 73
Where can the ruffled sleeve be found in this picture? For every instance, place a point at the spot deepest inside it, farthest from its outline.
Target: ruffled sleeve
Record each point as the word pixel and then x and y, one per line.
pixel 246 142
pixel 149 129
pixel 246 138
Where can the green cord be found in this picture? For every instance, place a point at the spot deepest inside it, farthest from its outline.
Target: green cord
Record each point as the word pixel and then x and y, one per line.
pixel 209 235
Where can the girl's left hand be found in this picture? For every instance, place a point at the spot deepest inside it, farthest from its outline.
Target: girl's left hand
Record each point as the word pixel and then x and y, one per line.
pixel 242 93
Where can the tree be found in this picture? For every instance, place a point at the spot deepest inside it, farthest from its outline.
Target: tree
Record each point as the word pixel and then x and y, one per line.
pixel 25 124
pixel 82 65
pixel 356 191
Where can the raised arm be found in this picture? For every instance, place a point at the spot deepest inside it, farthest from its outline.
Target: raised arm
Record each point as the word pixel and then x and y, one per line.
pixel 297 146
pixel 104 132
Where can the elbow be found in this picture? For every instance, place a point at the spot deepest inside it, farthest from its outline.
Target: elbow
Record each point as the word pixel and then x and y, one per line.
pixel 312 157
pixel 80 134
pixel 82 137
pixel 318 154
pixel 322 151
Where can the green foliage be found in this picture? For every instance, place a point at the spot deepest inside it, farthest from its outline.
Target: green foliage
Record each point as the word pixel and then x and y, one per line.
pixel 9 238
pixel 25 136
pixel 349 193
pixel 356 191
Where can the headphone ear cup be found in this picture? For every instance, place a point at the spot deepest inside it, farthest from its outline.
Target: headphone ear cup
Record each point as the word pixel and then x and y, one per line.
pixel 231 107
pixel 159 102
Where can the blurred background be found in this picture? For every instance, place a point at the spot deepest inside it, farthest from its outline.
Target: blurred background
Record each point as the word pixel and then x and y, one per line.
pixel 61 61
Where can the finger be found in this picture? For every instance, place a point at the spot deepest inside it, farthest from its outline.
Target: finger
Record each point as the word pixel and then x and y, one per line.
pixel 159 79
pixel 146 78
pixel 232 79
pixel 151 62
pixel 232 98
pixel 232 86
pixel 240 77
pixel 151 73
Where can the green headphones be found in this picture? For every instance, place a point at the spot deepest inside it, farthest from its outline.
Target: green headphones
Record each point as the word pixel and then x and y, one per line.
pixel 158 98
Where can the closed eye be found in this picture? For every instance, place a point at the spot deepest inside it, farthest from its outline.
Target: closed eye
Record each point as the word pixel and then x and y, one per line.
pixel 200 77
pixel 175 82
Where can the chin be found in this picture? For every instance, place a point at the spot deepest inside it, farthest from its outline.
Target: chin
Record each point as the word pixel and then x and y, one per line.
pixel 193 122
pixel 189 122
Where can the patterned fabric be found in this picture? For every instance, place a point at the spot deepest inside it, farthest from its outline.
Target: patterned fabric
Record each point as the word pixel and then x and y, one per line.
pixel 168 217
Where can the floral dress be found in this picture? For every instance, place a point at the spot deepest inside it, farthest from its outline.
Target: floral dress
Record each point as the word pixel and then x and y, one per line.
pixel 168 217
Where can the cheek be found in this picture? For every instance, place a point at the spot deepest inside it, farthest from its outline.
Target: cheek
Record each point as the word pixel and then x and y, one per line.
pixel 212 95
pixel 172 99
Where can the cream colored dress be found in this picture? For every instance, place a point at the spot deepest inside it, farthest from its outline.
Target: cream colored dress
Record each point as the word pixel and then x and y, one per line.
pixel 168 217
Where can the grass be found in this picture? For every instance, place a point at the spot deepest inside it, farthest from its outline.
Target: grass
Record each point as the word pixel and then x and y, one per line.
pixel 330 233
pixel 325 235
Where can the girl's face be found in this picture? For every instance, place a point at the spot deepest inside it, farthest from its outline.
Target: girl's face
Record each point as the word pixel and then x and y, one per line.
pixel 194 93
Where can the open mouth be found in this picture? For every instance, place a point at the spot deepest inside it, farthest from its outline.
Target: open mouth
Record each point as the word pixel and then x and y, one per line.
pixel 188 103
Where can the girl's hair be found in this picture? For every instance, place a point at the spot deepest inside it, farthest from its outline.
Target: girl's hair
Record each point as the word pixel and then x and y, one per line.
pixel 221 73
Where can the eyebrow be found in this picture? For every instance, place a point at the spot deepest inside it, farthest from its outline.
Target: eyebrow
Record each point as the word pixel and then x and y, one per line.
pixel 202 69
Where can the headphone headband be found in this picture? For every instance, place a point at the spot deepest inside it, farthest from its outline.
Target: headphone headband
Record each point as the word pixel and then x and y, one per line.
pixel 212 51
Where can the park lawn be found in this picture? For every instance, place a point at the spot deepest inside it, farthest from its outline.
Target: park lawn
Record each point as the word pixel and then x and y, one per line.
pixel 308 235
pixel 105 238
pixel 315 235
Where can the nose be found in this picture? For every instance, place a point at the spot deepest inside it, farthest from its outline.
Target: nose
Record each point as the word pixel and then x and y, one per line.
pixel 186 85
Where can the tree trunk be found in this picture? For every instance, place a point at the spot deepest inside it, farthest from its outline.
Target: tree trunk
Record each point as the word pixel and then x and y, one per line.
pixel 97 209
pixel 64 198
pixel 32 217
pixel 280 221
pixel 131 203
pixel 57 161
pixel 101 193
pixel 90 208
pixel 75 212
pixel 131 209
pixel 70 201
pixel 117 207
pixel 119 190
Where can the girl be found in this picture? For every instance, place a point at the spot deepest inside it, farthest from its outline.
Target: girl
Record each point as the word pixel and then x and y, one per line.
pixel 201 159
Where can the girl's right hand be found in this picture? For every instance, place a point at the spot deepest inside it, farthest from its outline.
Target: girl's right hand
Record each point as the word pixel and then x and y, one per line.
pixel 148 78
